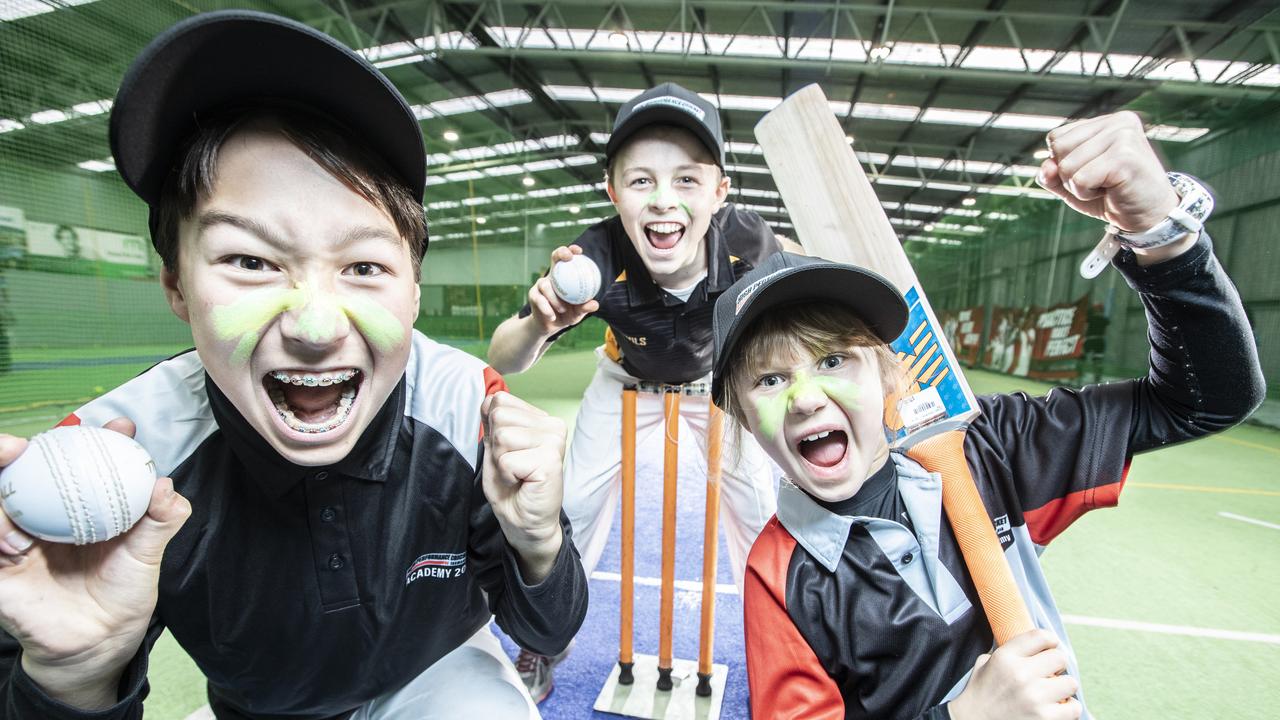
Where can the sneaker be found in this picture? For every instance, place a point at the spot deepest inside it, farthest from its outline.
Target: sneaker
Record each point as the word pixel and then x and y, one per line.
pixel 535 671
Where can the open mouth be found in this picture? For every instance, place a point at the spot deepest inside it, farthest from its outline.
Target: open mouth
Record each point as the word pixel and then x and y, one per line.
pixel 824 449
pixel 313 402
pixel 664 235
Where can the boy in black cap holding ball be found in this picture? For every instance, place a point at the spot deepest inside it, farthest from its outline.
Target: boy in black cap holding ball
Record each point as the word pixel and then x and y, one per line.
pixel 671 250
pixel 348 504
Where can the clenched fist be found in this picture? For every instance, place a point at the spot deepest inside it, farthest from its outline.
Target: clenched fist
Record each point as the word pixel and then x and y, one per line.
pixel 523 457
pixel 1106 168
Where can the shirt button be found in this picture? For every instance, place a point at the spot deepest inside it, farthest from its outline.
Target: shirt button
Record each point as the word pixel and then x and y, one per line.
pixel 906 559
pixel 336 562
pixel 322 475
pixel 328 514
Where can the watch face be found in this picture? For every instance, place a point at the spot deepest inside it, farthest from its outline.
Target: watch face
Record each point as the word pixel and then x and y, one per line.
pixel 1194 205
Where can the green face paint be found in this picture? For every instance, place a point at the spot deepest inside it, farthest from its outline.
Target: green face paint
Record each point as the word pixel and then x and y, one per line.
pixel 319 318
pixel 246 317
pixel 376 323
pixel 771 410
pixel 661 194
pixel 320 315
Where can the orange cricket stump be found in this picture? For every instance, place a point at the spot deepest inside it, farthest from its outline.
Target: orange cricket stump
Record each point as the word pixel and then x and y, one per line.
pixel 710 545
pixel 670 469
pixel 625 659
pixel 661 687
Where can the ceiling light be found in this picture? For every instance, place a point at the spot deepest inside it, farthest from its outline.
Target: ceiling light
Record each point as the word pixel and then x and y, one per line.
pixel 98 165
pixel 928 227
pixel 471 103
pixel 528 181
pixel 617 38
pixel 1022 121
pixel 952 116
pixel 1175 134
pixel 95 107
pixel 481 220
pixel 1020 60
pixel 47 117
pixel 416 57
pixel 450 136
pixel 848 139
pixel 16 9
pixel 574 209
pixel 969 201
pixel 540 165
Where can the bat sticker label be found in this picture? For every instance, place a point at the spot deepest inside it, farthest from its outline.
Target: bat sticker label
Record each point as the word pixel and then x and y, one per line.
pixel 922 408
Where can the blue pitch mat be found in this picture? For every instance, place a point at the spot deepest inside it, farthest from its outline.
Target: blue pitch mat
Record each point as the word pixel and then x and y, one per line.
pixel 579 678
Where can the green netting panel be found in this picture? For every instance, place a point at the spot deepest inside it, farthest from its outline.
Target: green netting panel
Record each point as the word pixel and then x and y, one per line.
pixel 1031 262
pixel 81 308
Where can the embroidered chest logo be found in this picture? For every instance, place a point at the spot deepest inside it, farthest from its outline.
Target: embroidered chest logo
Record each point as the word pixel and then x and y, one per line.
pixel 1002 531
pixel 443 566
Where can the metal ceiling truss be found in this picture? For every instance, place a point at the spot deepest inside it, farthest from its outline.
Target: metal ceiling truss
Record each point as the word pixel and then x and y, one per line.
pixel 795 27
pixel 388 27
pixel 875 28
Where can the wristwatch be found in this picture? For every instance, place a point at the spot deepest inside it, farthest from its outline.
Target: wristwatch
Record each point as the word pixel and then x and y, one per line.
pixel 1194 205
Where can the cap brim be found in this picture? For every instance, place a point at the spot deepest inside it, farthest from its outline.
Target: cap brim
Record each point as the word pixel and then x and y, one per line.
pixel 868 295
pixel 217 60
pixel 663 115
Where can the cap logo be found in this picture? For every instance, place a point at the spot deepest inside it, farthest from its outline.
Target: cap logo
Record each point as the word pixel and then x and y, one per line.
pixel 674 102
pixel 750 290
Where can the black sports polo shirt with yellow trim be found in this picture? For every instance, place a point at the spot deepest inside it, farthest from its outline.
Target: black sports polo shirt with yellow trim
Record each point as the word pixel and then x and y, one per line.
pixel 865 610
pixel 661 337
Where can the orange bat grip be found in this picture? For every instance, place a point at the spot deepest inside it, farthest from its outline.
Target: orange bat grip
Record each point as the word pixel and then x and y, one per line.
pixel 992 577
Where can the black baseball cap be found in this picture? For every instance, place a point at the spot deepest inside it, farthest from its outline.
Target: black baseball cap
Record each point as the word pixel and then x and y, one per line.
pixel 668 104
pixel 236 58
pixel 785 278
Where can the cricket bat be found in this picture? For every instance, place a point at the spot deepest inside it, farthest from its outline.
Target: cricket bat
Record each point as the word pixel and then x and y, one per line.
pixel 837 216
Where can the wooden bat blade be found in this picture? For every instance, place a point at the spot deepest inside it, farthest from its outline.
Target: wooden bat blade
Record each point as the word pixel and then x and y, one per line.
pixel 837 216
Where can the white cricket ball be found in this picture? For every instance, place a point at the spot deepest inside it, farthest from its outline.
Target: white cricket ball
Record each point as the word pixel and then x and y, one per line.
pixel 78 484
pixel 575 281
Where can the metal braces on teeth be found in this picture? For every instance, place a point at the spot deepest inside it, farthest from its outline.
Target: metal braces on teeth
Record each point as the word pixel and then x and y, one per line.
pixel 310 380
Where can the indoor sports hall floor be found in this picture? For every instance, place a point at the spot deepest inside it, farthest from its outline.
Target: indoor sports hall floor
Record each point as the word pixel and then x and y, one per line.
pixel 1170 598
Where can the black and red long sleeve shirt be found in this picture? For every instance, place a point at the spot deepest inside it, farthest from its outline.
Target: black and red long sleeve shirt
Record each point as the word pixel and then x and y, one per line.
pixel 864 609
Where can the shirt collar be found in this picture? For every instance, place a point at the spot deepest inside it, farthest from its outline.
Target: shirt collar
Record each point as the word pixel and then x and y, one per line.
pixel 370 459
pixel 823 533
pixel 719 264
